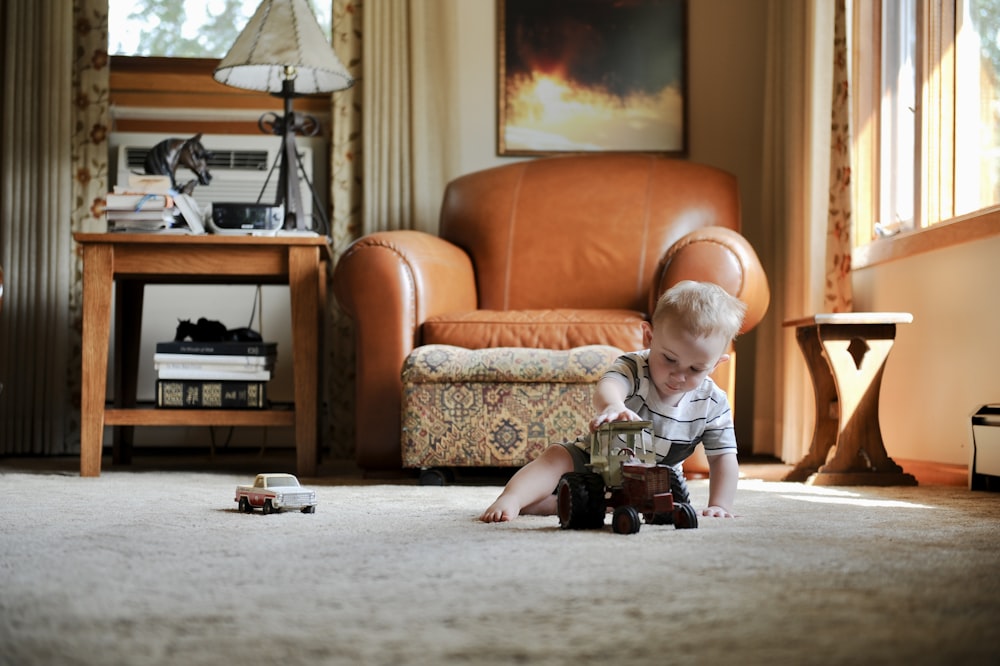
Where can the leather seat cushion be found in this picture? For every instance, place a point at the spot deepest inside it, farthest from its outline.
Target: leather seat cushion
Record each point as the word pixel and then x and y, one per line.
pixel 544 329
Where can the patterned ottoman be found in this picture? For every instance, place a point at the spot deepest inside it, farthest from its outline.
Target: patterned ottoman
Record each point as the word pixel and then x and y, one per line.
pixel 498 407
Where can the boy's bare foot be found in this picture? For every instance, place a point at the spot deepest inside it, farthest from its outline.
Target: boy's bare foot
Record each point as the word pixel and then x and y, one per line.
pixel 503 509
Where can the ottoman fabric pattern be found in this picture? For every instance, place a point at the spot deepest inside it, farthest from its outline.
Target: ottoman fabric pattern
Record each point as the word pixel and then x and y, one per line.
pixel 496 407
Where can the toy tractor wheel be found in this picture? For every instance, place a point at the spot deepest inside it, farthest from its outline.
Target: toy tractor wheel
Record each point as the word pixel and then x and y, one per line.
pixel 580 501
pixel 625 520
pixel 685 517
pixel 245 505
pixel 268 507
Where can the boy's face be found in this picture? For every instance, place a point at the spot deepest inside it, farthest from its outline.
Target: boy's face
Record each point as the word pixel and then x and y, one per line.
pixel 679 361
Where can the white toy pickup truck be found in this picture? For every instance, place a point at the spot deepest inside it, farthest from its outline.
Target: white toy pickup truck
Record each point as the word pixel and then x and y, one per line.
pixel 274 492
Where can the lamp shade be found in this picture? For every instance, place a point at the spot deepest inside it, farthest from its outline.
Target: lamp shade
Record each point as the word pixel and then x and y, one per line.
pixel 283 34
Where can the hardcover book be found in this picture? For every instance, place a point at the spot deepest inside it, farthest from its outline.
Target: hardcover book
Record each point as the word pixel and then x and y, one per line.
pixel 220 348
pixel 134 201
pixel 190 394
pixel 237 373
pixel 220 361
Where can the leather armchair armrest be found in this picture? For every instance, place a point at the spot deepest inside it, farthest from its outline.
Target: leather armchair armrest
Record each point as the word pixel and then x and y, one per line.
pixel 722 256
pixel 389 283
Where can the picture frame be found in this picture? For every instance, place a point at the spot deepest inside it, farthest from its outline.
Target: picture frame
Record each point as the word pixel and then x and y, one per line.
pixel 591 75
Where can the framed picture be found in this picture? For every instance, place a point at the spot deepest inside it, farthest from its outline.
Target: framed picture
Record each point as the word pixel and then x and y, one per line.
pixel 591 75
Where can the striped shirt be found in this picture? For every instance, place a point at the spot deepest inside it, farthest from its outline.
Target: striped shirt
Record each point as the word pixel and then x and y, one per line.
pixel 702 416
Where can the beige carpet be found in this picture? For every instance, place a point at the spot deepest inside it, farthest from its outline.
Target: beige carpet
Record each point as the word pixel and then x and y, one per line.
pixel 158 567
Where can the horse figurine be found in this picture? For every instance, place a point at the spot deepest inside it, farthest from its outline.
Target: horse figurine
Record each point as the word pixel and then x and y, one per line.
pixel 208 330
pixel 167 155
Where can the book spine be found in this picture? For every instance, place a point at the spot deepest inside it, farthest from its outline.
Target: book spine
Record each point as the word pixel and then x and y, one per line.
pixel 214 359
pixel 135 202
pixel 244 370
pixel 220 348
pixel 188 394
pixel 213 374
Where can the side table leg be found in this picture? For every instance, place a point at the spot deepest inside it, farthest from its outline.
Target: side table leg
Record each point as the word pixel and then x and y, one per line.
pixel 827 406
pixel 303 283
pixel 97 282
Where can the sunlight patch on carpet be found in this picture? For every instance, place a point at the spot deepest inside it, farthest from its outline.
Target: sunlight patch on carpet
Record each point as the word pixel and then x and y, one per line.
pixel 859 501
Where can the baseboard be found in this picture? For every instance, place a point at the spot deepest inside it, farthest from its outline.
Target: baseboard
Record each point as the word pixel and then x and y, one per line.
pixel 935 474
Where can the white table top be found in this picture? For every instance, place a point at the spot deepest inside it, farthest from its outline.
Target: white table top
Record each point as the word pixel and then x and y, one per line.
pixel 853 318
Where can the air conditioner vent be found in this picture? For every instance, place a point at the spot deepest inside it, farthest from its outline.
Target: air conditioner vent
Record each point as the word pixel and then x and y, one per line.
pixel 250 160
pixel 255 160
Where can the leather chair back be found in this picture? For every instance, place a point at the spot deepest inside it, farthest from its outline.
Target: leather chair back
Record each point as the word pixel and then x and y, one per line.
pixel 581 231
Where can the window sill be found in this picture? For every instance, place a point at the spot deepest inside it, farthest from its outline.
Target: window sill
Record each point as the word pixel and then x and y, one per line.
pixel 965 229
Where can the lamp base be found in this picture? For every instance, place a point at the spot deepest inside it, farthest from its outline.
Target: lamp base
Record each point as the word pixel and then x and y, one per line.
pixel 290 162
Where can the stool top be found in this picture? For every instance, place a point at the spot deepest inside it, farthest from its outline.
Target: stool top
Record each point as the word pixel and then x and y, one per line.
pixel 853 318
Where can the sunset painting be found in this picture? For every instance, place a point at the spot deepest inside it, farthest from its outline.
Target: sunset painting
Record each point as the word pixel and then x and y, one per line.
pixel 591 75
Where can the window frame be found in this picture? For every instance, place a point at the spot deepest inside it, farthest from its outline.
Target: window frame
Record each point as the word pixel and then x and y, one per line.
pixel 935 223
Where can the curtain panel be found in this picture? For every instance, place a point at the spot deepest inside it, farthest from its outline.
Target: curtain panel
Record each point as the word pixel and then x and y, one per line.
pixel 346 197
pixel 54 159
pixel 797 254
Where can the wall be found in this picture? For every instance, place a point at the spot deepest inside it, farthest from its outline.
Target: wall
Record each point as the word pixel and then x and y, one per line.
pixel 945 364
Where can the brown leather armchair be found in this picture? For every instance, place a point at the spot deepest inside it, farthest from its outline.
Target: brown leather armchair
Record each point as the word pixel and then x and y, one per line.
pixel 556 253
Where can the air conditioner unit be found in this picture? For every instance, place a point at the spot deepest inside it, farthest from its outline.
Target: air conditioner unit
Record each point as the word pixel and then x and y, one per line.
pixel 243 167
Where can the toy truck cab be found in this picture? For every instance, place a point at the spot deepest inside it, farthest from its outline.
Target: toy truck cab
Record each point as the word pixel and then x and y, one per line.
pixel 625 477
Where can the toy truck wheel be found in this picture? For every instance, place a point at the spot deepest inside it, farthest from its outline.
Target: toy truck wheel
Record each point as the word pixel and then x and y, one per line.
pixel 580 501
pixel 268 507
pixel 309 509
pixel 625 520
pixel 685 517
pixel 245 505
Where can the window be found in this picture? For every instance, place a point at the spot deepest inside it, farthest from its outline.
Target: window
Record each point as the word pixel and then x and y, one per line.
pixel 185 28
pixel 977 106
pixel 926 112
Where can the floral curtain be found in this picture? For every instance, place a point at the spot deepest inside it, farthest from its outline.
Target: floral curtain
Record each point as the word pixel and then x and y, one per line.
pixel 91 127
pixel 838 295
pixel 346 222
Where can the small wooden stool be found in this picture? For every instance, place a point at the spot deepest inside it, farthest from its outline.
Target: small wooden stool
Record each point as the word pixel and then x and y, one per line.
pixel 846 355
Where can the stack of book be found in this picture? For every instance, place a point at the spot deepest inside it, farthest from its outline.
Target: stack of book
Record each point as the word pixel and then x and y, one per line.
pixel 213 375
pixel 147 205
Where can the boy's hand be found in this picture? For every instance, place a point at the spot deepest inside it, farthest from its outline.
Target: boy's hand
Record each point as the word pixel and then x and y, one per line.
pixel 716 512
pixel 614 413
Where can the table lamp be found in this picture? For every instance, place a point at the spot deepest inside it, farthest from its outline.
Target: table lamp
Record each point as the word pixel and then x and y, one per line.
pixel 283 51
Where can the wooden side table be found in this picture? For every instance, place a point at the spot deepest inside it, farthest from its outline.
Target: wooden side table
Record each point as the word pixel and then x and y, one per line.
pixel 129 262
pixel 846 355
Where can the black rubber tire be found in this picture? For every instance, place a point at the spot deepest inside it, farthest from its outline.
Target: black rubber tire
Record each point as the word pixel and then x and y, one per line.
pixel 268 507
pixel 580 501
pixel 625 520
pixel 685 517
pixel 245 505
pixel 309 509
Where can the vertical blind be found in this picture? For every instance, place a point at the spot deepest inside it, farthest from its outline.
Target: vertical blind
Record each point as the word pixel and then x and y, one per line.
pixel 35 239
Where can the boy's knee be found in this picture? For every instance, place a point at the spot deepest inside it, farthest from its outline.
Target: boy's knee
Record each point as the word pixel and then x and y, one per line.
pixel 569 457
pixel 556 453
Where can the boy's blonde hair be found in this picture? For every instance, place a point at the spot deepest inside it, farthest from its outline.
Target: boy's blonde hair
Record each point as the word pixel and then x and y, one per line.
pixel 701 308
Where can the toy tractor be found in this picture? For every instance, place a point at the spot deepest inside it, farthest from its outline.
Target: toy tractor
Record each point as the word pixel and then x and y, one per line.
pixel 624 477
